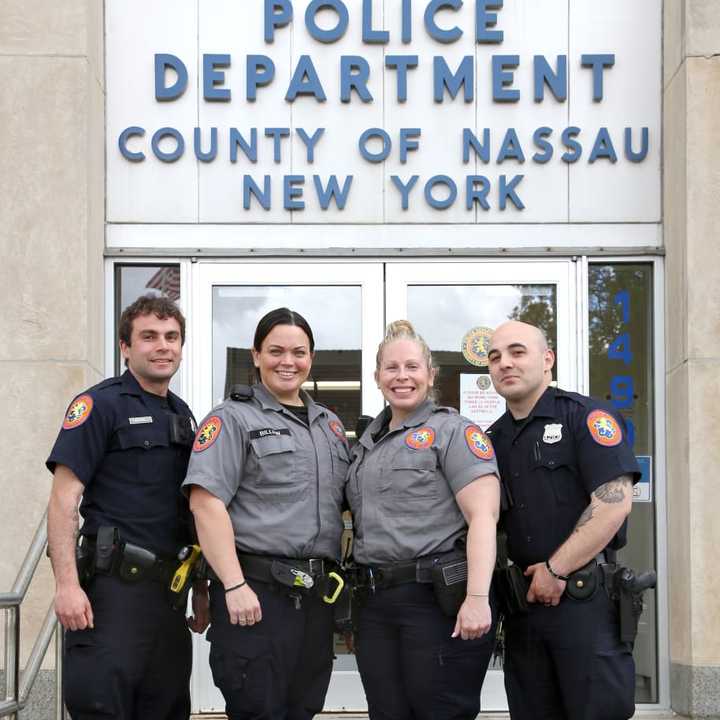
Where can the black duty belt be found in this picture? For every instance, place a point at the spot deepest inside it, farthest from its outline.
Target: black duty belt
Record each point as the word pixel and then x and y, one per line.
pixel 127 561
pixel 379 577
pixel 266 568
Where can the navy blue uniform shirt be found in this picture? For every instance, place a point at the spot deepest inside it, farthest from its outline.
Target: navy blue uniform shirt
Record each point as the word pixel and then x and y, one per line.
pixel 551 463
pixel 131 455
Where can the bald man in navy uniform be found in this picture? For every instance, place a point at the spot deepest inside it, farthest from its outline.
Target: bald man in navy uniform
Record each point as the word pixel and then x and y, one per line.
pixel 568 470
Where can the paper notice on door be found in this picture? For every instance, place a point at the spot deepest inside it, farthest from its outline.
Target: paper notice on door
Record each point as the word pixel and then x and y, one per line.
pixel 479 401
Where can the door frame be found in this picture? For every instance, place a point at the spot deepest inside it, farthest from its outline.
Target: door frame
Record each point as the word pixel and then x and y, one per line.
pixel 574 369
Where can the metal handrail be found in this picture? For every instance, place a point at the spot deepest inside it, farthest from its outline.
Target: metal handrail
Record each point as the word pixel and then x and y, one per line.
pixel 19 684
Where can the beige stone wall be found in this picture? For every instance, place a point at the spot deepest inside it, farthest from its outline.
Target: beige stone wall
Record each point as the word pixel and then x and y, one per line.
pixel 691 221
pixel 52 237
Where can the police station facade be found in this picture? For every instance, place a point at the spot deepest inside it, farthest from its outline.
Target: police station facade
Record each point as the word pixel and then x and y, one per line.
pixel 456 163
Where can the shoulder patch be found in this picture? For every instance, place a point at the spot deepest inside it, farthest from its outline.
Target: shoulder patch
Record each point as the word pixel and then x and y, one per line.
pixel 479 443
pixel 421 438
pixel 78 412
pixel 604 428
pixel 207 434
pixel 337 428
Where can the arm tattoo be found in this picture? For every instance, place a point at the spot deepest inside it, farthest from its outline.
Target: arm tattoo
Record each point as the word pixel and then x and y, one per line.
pixel 613 491
pixel 585 517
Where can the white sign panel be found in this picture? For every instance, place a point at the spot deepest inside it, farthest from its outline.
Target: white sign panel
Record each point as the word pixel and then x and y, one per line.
pixel 376 111
pixel 479 401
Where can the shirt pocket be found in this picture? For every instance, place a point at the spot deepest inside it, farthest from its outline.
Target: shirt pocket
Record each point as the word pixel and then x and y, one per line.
pixel 556 465
pixel 277 477
pixel 150 445
pixel 413 476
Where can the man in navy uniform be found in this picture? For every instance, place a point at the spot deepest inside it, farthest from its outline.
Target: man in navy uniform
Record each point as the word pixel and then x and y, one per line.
pixel 124 448
pixel 568 471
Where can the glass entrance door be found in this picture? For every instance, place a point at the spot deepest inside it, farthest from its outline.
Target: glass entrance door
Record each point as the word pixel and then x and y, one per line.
pixel 454 305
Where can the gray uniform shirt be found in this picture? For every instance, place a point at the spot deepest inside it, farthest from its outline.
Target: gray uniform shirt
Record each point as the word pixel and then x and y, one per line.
pixel 402 489
pixel 281 480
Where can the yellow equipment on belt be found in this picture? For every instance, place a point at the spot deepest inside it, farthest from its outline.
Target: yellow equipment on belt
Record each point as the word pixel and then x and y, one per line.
pixel 189 555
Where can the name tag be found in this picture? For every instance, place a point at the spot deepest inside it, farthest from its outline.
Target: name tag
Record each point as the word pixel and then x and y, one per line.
pixel 268 432
pixel 140 420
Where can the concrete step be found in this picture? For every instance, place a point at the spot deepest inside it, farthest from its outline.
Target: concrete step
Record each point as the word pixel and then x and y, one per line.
pixel 640 715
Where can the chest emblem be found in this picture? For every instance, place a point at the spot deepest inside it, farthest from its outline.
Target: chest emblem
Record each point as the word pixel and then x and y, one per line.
pixel 420 439
pixel 553 433
pixel 78 412
pixel 479 443
pixel 207 434
pixel 604 429
pixel 338 429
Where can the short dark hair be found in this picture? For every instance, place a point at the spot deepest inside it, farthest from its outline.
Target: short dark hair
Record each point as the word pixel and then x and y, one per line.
pixel 281 316
pixel 161 307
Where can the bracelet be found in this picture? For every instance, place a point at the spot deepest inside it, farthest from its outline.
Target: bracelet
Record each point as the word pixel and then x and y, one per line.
pixel 235 587
pixel 554 574
pixel 476 595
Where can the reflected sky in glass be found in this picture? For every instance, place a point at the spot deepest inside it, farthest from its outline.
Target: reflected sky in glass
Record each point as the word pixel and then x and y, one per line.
pixel 333 313
pixel 444 313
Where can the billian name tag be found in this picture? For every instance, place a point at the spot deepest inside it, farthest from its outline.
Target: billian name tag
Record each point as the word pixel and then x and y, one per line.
pixel 140 420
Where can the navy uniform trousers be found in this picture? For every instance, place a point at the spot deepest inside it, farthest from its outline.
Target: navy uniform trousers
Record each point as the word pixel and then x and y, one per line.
pixel 279 668
pixel 410 667
pixel 567 662
pixel 135 664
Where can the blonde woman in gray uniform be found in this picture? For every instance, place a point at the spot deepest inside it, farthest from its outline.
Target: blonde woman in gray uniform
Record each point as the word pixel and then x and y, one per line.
pixel 423 487
pixel 266 480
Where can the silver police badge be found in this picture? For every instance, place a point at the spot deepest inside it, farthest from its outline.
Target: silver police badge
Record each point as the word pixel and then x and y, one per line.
pixel 553 433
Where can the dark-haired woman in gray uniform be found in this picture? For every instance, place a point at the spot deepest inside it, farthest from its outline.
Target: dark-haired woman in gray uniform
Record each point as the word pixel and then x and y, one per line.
pixel 423 482
pixel 266 480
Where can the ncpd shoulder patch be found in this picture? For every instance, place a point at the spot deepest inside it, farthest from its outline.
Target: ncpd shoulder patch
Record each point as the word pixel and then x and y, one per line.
pixel 604 428
pixel 78 412
pixel 421 438
pixel 207 434
pixel 479 443
pixel 337 428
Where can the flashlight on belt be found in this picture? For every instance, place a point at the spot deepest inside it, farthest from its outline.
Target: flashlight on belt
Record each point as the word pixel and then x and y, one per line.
pixel 188 556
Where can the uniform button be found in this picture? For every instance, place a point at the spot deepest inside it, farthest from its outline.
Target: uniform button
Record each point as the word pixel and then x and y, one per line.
pixel 529 538
pixel 516 474
pixel 522 506
pixel 551 463
pixel 147 443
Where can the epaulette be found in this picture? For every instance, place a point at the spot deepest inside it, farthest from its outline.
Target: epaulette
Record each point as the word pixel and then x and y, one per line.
pixel 109 382
pixel 583 400
pixel 446 409
pixel 240 393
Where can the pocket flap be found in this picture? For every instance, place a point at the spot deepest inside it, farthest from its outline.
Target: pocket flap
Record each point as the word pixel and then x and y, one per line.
pixel 272 444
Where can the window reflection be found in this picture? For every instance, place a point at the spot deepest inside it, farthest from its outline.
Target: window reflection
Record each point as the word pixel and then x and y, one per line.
pixel 445 314
pixel 621 372
pixel 333 313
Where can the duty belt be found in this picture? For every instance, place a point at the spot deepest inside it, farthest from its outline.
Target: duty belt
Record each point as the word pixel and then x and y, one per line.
pixel 125 560
pixel 303 572
pixel 379 577
pixel 306 576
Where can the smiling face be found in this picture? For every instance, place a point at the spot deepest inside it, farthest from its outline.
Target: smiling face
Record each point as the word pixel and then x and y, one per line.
pixel 154 353
pixel 284 361
pixel 520 364
pixel 404 377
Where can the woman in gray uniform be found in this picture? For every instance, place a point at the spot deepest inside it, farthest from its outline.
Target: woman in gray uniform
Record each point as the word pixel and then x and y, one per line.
pixel 266 480
pixel 422 487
